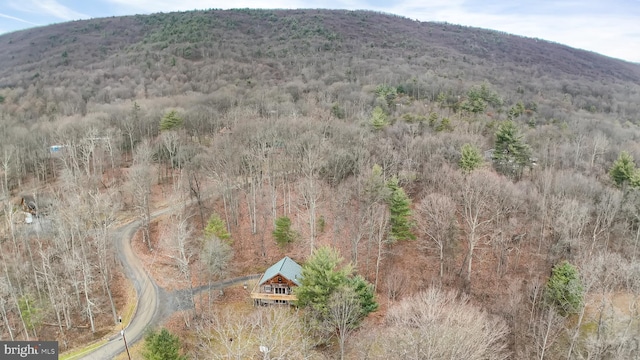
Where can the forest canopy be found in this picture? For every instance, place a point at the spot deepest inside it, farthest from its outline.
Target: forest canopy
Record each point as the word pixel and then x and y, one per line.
pixel 452 167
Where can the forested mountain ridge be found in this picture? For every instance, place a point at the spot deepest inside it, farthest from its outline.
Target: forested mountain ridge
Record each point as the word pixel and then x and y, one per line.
pixel 431 156
pixel 91 41
pixel 103 60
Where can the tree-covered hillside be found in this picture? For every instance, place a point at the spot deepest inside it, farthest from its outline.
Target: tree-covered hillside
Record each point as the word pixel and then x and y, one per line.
pixel 430 155
pixel 106 60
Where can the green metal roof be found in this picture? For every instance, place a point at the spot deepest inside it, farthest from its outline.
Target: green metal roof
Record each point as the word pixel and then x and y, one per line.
pixel 285 267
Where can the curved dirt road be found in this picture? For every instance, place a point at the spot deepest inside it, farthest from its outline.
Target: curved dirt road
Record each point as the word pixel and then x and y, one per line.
pixel 146 289
pixel 154 304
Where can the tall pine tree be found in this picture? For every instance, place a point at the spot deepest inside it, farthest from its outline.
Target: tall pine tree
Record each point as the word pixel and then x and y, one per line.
pixel 322 276
pixel 564 289
pixel 378 118
pixel 216 227
pixel 400 212
pixel 170 121
pixel 511 154
pixel 470 158
pixel 624 171
pixel 283 234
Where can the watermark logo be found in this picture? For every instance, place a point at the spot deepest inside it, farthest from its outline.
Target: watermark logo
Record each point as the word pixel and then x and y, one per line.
pixel 28 350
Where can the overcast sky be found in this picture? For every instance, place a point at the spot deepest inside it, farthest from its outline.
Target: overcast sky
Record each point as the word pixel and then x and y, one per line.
pixel 609 27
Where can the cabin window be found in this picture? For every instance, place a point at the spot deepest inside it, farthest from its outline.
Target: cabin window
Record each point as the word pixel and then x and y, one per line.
pixel 279 279
pixel 280 290
pixel 267 288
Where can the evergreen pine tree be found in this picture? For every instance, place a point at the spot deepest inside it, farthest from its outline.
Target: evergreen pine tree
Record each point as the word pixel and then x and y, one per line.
pixel 322 276
pixel 162 346
pixel 445 125
pixel 365 293
pixel 170 121
pixel 564 289
pixel 470 159
pixel 624 171
pixel 433 118
pixel 378 118
pixel 511 154
pixel 400 212
pixel 216 227
pixel 375 187
pixel 282 232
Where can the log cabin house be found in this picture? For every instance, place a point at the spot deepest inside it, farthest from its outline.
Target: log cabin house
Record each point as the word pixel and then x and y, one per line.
pixel 277 283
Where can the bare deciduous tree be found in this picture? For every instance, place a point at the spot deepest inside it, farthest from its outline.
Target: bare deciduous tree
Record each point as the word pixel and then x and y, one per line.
pixel 8 152
pixel 437 219
pixel 216 255
pixel 606 209
pixel 232 336
pixel 104 209
pixel 225 170
pixel 544 183
pixel 570 219
pixel 281 333
pixel 435 324
pixel 603 274
pixel 4 293
pixel 477 212
pixel 395 283
pixel 310 151
pixel 269 333
pixel 547 329
pixel 140 178
pixel 599 144
pixel 178 240
pixel 343 316
pixel 379 235
pixel 171 145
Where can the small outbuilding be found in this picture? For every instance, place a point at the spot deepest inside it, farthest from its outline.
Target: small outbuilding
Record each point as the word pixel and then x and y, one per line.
pixel 36 204
pixel 29 204
pixel 277 283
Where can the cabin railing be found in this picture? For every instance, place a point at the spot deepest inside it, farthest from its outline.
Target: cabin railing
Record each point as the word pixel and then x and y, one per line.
pixel 264 296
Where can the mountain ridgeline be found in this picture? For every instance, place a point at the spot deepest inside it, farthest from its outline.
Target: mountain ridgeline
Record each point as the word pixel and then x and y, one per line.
pixel 121 58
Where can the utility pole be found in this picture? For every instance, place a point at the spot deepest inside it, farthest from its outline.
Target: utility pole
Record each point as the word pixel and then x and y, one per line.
pixel 123 337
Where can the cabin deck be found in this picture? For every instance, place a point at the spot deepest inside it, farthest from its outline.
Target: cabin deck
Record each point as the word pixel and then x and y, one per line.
pixel 271 297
